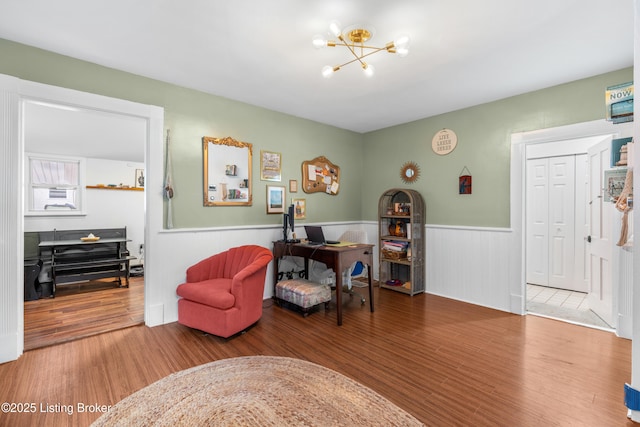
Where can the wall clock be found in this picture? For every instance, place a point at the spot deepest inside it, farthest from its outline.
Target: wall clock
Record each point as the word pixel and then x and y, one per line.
pixel 409 172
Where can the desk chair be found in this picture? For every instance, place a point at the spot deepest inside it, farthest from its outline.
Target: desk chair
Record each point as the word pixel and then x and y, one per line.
pixel 357 269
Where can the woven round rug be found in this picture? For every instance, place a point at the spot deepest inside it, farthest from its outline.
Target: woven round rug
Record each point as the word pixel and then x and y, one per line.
pixel 256 391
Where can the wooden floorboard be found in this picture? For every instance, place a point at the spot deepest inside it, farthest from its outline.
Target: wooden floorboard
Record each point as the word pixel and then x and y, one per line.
pixel 83 309
pixel 446 362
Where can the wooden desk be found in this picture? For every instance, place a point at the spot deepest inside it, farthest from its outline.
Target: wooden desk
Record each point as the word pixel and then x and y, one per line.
pixel 337 257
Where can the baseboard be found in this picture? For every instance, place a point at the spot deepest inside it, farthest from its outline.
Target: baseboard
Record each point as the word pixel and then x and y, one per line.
pixel 9 350
pixel 154 315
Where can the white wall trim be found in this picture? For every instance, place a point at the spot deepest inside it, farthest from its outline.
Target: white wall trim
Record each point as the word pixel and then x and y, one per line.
pixel 470 228
pixel 13 93
pixel 573 131
pixel 519 143
pixel 635 344
pixel 11 227
pixel 299 226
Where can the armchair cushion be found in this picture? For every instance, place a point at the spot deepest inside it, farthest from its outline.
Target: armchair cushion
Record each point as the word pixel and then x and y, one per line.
pixel 213 292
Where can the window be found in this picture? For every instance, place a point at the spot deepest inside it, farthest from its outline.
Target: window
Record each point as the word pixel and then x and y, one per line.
pixel 55 185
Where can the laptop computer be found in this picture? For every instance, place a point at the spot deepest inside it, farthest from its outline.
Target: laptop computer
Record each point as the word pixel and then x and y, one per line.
pixel 315 236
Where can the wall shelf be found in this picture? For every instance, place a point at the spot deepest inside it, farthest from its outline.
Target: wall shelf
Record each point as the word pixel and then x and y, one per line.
pixel 96 187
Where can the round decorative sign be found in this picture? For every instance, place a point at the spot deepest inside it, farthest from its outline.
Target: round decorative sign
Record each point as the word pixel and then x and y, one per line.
pixel 444 142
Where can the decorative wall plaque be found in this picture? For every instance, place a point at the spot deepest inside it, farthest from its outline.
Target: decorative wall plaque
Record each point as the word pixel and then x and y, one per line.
pixel 320 175
pixel 464 181
pixel 444 142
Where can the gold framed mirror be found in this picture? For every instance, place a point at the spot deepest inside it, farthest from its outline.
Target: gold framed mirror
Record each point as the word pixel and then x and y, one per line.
pixel 227 172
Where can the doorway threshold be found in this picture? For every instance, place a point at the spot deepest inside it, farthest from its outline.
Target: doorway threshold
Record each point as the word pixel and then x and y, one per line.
pixel 564 305
pixel 576 317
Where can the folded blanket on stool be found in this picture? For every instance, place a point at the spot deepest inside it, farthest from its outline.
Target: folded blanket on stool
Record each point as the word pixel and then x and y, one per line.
pixel 303 293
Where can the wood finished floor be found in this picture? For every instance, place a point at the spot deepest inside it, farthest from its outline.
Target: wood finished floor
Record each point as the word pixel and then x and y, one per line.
pixel 446 362
pixel 81 310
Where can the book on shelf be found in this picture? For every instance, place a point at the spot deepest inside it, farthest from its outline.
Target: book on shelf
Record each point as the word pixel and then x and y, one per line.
pixel 393 245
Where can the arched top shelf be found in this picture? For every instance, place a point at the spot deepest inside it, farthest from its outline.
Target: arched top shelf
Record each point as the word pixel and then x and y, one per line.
pixel 401 245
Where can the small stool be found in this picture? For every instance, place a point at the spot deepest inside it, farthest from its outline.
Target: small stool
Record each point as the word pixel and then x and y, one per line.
pixel 302 295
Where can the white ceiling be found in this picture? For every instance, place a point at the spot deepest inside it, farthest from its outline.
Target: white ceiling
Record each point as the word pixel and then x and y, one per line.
pixel 69 131
pixel 462 52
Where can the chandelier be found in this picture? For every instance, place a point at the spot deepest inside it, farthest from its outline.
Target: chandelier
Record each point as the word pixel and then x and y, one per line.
pixel 354 39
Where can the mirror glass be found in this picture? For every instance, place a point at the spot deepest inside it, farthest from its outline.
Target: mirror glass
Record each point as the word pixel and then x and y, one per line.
pixel 227 172
pixel 409 172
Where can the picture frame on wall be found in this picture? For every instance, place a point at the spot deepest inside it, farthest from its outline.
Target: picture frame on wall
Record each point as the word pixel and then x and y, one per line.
pixel 293 186
pixel 270 166
pixel 299 208
pixel 275 199
pixel 614 182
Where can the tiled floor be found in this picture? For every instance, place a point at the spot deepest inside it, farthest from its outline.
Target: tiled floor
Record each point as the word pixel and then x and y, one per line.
pixel 558 297
pixel 562 304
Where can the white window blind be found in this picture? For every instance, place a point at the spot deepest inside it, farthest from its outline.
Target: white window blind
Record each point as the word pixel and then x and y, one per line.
pixel 54 173
pixel 54 185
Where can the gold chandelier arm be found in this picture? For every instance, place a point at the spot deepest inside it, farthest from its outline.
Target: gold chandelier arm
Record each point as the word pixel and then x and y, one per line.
pixel 389 46
pixel 360 58
pixel 374 49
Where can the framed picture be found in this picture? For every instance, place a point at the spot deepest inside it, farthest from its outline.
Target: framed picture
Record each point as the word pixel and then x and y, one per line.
pixel 139 178
pixel 299 208
pixel 293 186
pixel 614 182
pixel 270 166
pixel 275 199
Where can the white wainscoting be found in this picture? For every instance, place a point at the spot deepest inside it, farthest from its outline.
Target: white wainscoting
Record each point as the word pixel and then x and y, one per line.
pixel 177 249
pixel 470 264
pixel 624 277
pixel 463 263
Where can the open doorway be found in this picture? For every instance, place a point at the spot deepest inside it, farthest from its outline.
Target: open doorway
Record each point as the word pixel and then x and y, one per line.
pixel 557 225
pixel 571 141
pixel 13 93
pixel 109 194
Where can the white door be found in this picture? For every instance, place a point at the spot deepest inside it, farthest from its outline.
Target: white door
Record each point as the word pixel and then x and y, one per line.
pixel 538 222
pixel 581 263
pixel 600 297
pixel 561 221
pixel 550 222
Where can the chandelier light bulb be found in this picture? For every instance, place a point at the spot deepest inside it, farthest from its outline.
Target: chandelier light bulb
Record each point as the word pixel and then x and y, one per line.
pixel 334 28
pixel 327 71
pixel 401 42
pixel 319 42
pixel 402 52
pixel 368 69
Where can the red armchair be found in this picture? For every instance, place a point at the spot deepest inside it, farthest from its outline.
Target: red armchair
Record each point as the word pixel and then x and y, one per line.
pixel 223 293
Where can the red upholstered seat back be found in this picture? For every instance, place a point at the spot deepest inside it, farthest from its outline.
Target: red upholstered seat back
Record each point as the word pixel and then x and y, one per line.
pixel 240 257
pixel 227 264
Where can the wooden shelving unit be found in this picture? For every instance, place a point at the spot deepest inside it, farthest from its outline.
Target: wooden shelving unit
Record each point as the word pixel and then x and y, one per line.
pixel 96 187
pixel 401 227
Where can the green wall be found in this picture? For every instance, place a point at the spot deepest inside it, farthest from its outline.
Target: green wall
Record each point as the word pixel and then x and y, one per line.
pixel 370 163
pixel 484 147
pixel 190 115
